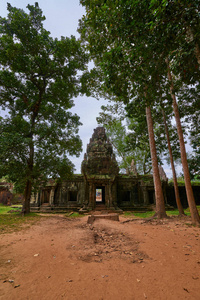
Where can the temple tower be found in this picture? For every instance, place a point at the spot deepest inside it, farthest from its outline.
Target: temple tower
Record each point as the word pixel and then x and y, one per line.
pixel 100 169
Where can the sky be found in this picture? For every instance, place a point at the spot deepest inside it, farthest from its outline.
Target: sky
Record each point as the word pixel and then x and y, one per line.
pixel 62 20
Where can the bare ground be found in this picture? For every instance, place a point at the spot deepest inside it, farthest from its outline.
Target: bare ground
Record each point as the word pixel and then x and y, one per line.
pixel 62 258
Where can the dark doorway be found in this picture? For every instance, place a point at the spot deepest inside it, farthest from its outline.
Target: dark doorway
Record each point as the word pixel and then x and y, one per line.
pixel 45 196
pixel 100 195
pixel 151 197
pixel 72 196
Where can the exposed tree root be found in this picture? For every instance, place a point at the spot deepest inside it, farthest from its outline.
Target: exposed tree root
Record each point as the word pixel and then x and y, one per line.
pixel 131 220
pixel 155 216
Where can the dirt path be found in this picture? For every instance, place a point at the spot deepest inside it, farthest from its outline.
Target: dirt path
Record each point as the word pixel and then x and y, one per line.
pixel 60 258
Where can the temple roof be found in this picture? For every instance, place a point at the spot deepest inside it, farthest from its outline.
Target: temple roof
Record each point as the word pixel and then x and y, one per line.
pixel 99 158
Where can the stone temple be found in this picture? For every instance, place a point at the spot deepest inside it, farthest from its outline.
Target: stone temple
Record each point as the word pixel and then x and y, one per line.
pixel 100 186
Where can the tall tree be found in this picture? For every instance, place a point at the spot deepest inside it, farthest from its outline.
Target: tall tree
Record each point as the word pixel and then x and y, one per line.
pixel 177 195
pixel 189 191
pixel 177 23
pixel 133 38
pixel 113 30
pixel 38 79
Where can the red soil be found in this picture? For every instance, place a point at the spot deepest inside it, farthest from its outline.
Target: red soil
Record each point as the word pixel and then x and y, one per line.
pixel 60 258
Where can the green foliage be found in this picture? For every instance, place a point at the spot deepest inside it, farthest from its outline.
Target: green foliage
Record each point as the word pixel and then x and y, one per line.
pixel 178 24
pixel 128 137
pixel 126 128
pixel 38 79
pixel 112 118
pixel 4 179
pixel 194 167
pixel 130 41
pixel 180 181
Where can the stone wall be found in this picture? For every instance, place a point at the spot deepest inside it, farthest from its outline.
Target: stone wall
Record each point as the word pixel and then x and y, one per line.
pixel 171 195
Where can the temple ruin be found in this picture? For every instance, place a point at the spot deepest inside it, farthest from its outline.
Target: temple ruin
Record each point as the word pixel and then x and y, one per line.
pixel 100 185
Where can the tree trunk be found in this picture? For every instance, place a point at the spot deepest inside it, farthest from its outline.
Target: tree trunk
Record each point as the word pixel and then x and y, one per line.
pixel 160 203
pixel 27 197
pixel 177 196
pixel 28 188
pixel 197 52
pixel 188 186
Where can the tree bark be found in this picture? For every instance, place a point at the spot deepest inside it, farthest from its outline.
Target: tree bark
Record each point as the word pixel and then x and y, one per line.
pixel 160 203
pixel 28 188
pixel 188 186
pixel 197 53
pixel 176 190
pixel 27 197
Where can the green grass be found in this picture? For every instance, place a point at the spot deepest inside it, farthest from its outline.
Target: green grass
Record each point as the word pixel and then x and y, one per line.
pixel 14 221
pixel 176 212
pixel 188 210
pixel 149 214
pixel 5 209
pixel 138 214
pixel 73 215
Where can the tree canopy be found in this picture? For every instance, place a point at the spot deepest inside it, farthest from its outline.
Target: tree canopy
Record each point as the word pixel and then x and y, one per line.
pixel 39 77
pixel 146 50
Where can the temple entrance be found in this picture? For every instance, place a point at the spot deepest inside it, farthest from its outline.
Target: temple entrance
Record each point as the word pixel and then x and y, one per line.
pixel 100 195
pixel 45 197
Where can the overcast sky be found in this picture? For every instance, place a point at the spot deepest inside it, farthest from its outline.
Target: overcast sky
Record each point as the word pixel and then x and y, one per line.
pixel 62 20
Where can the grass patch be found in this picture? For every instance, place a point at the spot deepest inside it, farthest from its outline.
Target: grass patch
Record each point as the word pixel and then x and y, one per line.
pixel 176 212
pixel 11 222
pixel 149 214
pixel 187 211
pixel 146 214
pixel 6 209
pixel 73 215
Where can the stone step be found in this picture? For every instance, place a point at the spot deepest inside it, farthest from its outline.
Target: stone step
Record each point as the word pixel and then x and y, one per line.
pixel 113 217
pixel 100 207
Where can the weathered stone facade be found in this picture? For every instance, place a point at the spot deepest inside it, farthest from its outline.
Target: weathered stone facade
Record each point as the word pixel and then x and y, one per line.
pixel 100 172
pixel 5 195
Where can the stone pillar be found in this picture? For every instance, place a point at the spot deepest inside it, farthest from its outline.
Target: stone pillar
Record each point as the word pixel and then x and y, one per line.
pixel 51 196
pixel 110 197
pixel 60 196
pixel 145 195
pixel 86 194
pixel 164 186
pixel 33 198
pixel 38 198
pixel 91 196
